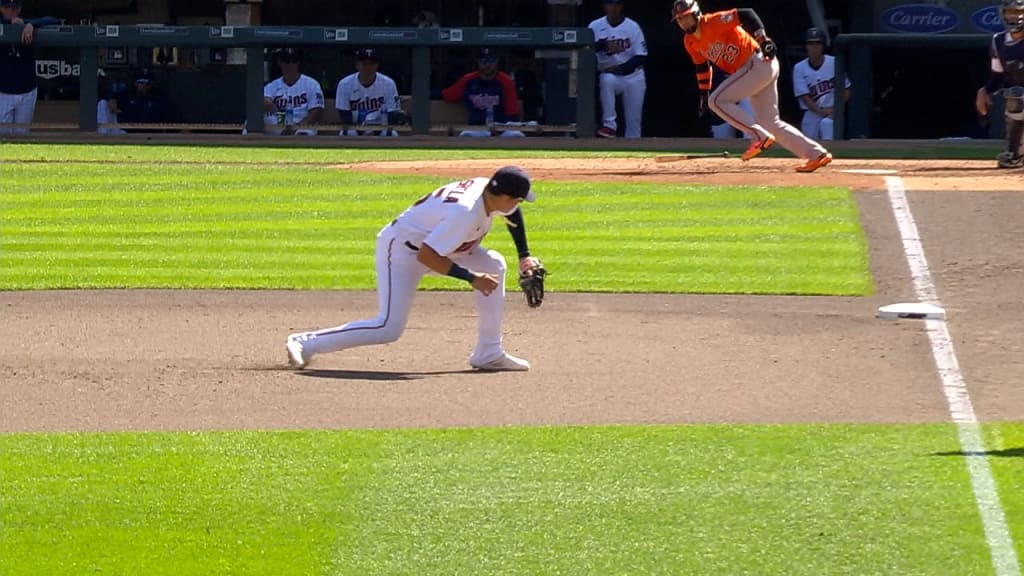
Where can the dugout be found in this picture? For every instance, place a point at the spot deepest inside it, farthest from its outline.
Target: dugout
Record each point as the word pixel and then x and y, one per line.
pixel 898 92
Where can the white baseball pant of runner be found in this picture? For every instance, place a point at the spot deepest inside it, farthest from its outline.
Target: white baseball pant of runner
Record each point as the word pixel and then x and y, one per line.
pixel 398 276
pixel 632 87
pixel 726 130
pixel 815 126
pixel 17 109
pixel 757 79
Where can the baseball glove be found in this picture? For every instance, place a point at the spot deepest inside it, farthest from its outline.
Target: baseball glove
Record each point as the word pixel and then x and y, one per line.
pixel 531 280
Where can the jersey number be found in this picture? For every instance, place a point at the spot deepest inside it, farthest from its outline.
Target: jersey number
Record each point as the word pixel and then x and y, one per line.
pixel 450 193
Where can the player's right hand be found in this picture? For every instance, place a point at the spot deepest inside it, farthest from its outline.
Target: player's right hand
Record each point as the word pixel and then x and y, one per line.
pixel 702 104
pixel 485 283
pixel 983 101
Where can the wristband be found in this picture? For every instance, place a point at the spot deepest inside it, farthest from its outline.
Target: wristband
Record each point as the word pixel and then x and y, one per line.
pixel 461 273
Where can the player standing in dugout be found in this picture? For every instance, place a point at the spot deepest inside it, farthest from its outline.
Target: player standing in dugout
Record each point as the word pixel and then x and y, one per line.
pixel 18 90
pixel 1007 74
pixel 735 41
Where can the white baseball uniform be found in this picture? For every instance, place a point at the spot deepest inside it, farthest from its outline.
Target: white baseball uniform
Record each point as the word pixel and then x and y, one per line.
pixel 295 100
pixel 105 116
pixel 371 103
pixel 622 43
pixel 819 84
pixel 451 220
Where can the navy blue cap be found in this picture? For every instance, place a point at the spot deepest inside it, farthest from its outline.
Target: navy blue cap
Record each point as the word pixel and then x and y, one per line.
pixel 613 1
pixel 367 54
pixel 288 54
pixel 815 35
pixel 512 181
pixel 487 54
pixel 10 2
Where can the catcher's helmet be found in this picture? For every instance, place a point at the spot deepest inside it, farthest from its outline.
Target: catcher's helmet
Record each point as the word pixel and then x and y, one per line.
pixel 684 7
pixel 1012 13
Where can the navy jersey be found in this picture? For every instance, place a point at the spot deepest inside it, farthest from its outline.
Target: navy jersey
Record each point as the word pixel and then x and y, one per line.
pixel 1007 60
pixel 18 62
pixel 479 94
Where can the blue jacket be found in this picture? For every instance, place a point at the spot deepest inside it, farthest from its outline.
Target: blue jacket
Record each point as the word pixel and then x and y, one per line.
pixel 18 61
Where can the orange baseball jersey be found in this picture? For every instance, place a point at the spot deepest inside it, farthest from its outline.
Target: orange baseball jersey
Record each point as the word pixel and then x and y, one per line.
pixel 722 41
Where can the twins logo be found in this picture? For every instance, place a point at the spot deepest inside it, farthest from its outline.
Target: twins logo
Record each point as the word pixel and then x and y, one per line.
pixel 484 101
pixel 290 101
pixel 821 87
pixel 367 104
pixel 719 51
pixel 617 45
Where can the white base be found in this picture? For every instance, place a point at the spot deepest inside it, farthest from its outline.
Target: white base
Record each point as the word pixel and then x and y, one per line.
pixel 911 310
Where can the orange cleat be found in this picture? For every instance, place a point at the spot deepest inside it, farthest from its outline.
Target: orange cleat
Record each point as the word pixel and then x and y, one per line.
pixel 758 147
pixel 815 163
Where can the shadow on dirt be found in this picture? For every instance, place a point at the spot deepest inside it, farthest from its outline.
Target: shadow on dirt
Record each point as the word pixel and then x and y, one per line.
pixel 378 375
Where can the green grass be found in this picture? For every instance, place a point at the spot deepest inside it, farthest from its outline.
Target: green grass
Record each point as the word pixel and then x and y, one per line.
pixel 808 499
pixel 214 225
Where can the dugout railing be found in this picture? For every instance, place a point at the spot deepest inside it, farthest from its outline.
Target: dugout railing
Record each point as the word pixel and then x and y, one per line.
pixel 844 44
pixel 576 42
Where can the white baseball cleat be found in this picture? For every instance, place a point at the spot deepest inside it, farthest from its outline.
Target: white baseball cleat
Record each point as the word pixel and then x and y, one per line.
pixel 504 363
pixel 296 355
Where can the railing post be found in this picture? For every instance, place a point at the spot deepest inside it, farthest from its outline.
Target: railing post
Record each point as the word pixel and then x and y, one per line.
pixel 254 89
pixel 421 90
pixel 88 88
pixel 839 110
pixel 586 86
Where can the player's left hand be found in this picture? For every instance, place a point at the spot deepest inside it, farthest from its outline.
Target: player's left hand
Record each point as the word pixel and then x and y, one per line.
pixel 769 49
pixel 531 280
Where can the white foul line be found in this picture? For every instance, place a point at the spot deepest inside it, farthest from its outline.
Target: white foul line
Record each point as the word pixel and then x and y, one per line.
pixel 986 494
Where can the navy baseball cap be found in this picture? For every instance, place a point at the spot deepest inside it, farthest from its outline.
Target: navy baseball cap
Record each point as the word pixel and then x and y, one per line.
pixel 512 181
pixel 367 54
pixel 814 35
pixel 10 2
pixel 487 54
pixel 287 54
pixel 613 1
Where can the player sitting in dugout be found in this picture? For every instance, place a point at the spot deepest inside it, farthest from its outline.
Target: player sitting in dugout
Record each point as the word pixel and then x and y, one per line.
pixel 294 102
pixel 489 95
pixel 368 100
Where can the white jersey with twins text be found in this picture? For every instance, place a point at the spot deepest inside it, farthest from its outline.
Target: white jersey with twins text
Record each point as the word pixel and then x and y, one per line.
pixel 451 220
pixel 818 84
pixel 301 97
pixel 379 97
pixel 623 41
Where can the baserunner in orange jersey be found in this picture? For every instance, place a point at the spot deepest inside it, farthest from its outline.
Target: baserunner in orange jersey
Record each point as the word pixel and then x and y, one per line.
pixel 735 41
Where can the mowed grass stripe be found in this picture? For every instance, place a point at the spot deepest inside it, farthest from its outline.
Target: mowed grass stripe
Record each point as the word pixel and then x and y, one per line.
pixel 773 500
pixel 299 227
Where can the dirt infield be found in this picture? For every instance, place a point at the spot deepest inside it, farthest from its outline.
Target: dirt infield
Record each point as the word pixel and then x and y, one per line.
pixel 116 360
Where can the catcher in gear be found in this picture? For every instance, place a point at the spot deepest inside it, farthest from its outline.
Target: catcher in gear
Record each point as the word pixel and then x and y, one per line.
pixel 1006 74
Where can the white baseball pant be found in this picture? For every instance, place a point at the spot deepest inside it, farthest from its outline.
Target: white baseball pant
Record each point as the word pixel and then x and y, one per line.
pixel 815 126
pixel 632 87
pixel 17 109
pixel 398 276
pixel 757 79
pixel 726 130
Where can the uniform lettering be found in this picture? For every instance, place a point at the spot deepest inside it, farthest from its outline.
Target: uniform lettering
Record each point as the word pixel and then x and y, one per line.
pixel 719 51
pixel 821 87
pixel 484 101
pixel 367 104
pixel 617 45
pixel 290 101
